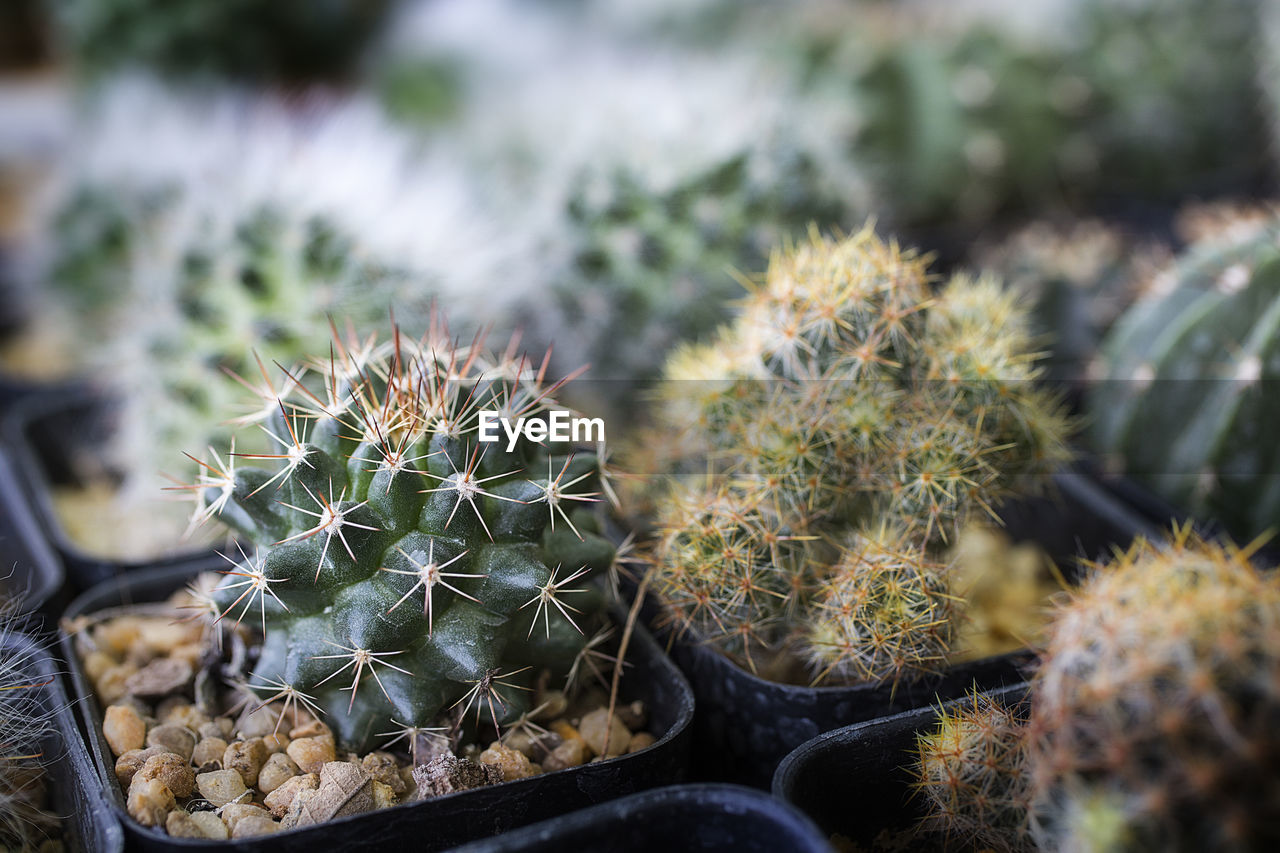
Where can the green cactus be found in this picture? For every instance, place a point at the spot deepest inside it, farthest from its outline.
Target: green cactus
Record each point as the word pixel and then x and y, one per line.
pixel 972 775
pixel 1153 715
pixel 402 567
pixel 851 422
pixel 652 267
pixel 1077 278
pixel 1187 379
pixel 276 40
pixel 967 118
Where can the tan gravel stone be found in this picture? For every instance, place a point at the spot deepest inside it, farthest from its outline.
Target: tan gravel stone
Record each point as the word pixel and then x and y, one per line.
pixel 172 770
pixel 246 758
pixel 278 769
pixel 179 740
pixel 593 729
pixel 124 729
pixel 221 786
pixel 280 800
pixel 312 753
pixel 150 801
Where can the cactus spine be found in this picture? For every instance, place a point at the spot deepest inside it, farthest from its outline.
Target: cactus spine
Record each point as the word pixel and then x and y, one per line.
pixel 851 421
pixel 402 568
pixel 1188 378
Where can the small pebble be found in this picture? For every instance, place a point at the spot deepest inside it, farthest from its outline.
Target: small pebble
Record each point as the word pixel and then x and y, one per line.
pixel 511 762
pixel 150 801
pixel 552 705
pixel 96 663
pixel 221 786
pixel 278 769
pixel 571 753
pixel 633 715
pixel 251 826
pixel 180 825
pixel 311 728
pixel 132 761
pixel 210 729
pixel 593 729
pixel 255 722
pixel 160 678
pixel 382 767
pixel 383 796
pixel 246 758
pixel 276 743
pixel 639 741
pixel 124 729
pixel 233 813
pixel 211 749
pixel 211 825
pixel 312 753
pixel 282 797
pixel 177 739
pixel 118 635
pixel 173 770
pixel 185 715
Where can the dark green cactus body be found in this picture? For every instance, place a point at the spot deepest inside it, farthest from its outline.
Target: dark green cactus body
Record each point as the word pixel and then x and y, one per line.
pixel 1187 398
pixel 408 566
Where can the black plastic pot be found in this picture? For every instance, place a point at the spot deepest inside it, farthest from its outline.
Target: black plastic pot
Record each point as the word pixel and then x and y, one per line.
pixel 28 565
pixel 682 817
pixel 74 784
pixel 745 724
pixel 47 434
pixel 856 781
pixel 435 824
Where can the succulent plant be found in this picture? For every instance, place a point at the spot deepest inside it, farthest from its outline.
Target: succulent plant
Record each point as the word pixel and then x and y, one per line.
pixel 401 567
pixel 223 245
pixel 276 40
pixel 971 773
pixel 1154 710
pixel 1187 380
pixel 26 722
pixel 850 421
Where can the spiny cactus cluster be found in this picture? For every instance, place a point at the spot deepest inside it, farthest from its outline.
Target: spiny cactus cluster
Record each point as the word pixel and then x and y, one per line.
pixel 1153 713
pixel 274 40
pixel 850 420
pixel 1187 381
pixel 26 723
pixel 402 568
pixel 971 773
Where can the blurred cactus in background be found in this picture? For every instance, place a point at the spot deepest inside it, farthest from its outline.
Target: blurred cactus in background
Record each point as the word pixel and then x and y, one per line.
pixel 1078 278
pixel 193 254
pixel 282 41
pixel 1186 381
pixel 852 422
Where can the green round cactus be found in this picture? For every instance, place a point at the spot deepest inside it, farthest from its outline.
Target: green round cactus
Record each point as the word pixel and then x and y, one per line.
pixel 1186 382
pixel 404 566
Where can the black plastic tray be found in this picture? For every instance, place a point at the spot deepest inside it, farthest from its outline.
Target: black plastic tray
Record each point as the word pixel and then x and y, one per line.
pixel 44 433
pixel 682 817
pixel 88 826
pixel 439 823
pixel 856 781
pixel 745 724
pixel 28 566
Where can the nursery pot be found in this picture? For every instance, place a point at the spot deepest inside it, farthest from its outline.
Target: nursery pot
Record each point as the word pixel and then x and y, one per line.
pixel 682 817
pixel 47 434
pixel 745 724
pixel 857 781
pixel 434 824
pixel 75 787
pixel 28 566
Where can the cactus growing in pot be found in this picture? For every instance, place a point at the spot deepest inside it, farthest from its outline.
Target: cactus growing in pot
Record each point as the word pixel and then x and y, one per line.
pixel 1185 381
pixel 1151 722
pixel 403 568
pixel 852 421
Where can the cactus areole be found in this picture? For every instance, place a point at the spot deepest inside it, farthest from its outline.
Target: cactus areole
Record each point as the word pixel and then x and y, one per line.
pixel 403 571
